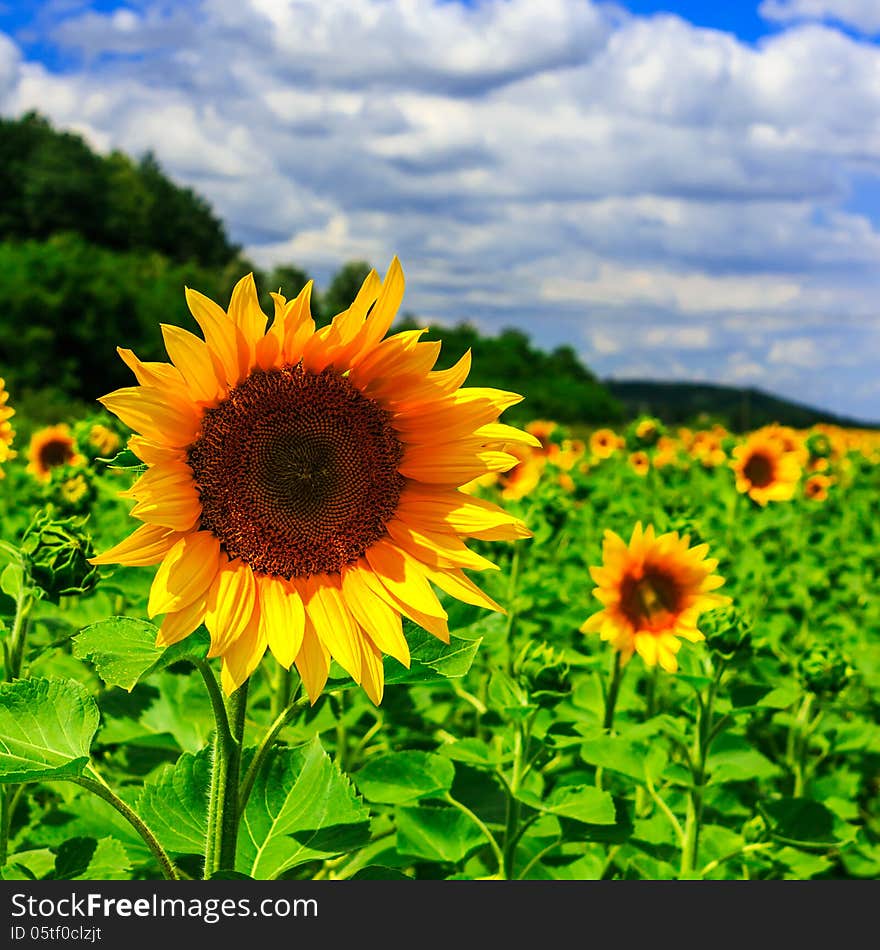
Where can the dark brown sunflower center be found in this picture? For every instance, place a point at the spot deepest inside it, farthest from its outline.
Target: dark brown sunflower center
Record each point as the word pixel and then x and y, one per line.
pixel 55 453
pixel 759 470
pixel 297 472
pixel 650 599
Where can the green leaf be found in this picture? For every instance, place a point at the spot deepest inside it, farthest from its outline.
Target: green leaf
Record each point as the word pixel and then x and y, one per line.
pixel 174 804
pixel 801 821
pixel 92 860
pixel 404 777
pixel 28 865
pixel 732 759
pixel 432 660
pixel 473 752
pixel 583 803
pixel 301 808
pixel 633 759
pixel 11 580
pixel 436 834
pixel 182 710
pixel 123 650
pixel 46 729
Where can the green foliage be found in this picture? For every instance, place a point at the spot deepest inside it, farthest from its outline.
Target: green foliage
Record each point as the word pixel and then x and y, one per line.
pixel 52 182
pixel 559 386
pixel 46 729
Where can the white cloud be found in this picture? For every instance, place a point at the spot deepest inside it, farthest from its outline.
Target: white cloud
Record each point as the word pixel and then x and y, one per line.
pixel 9 67
pixel 688 293
pixel 562 166
pixel 801 351
pixel 864 15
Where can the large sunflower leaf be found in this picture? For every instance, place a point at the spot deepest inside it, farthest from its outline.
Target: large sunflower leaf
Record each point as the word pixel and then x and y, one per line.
pixel 403 777
pixel 301 808
pixel 174 804
pixel 432 660
pixel 46 729
pixel 123 650
pixel 436 834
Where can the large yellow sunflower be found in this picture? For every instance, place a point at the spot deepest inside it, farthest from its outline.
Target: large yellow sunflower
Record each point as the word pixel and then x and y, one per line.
pixel 49 448
pixel 7 433
pixel 653 591
pixel 765 469
pixel 302 488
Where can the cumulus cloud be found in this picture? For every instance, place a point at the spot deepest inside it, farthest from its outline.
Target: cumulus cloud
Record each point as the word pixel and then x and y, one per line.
pixel 615 181
pixel 863 15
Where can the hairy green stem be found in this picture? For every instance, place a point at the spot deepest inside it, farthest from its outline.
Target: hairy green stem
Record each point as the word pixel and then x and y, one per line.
pixel 611 694
pixel 703 735
pixel 223 796
pixel 250 776
pixel 487 834
pixel 13 654
pixel 97 786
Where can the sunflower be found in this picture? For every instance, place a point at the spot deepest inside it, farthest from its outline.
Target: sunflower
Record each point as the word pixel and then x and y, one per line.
pixel 816 487
pixel 639 462
pixel 7 433
pixel 103 440
pixel 604 443
pixel 765 471
pixel 49 448
pixel 301 491
pixel 524 476
pixel 653 590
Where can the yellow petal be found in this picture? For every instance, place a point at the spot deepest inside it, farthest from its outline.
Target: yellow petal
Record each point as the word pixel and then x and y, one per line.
pixel 220 334
pixel 384 310
pixel 147 545
pixel 158 375
pixel 403 577
pixel 243 655
pixel 153 454
pixel 313 663
pixel 373 678
pixel 457 585
pixel 438 550
pixel 381 622
pixel 187 571
pixel 193 358
pixel 334 624
pixel 231 600
pixel 435 622
pixel 179 624
pixel 283 618
pixel 150 413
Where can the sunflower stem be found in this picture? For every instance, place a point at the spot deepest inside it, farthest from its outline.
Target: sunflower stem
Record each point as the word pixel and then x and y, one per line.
pixel 611 694
pixel 13 654
pixel 703 736
pixel 94 783
pixel 223 796
pixel 250 776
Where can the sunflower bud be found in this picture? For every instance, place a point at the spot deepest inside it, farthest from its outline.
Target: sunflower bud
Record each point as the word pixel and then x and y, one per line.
pixel 56 553
pixel 819 445
pixel 728 631
pixel 541 669
pixel 824 670
pixel 644 433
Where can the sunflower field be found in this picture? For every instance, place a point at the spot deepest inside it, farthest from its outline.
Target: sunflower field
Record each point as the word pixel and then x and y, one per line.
pixel 296 605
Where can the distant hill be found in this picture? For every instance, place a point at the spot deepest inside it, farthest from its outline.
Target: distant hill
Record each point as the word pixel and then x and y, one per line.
pixel 739 408
pixel 51 181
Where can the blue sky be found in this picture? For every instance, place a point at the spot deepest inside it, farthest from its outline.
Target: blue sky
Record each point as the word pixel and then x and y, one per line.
pixel 679 190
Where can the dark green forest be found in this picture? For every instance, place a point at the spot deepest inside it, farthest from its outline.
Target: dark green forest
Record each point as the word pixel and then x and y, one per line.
pixel 95 252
